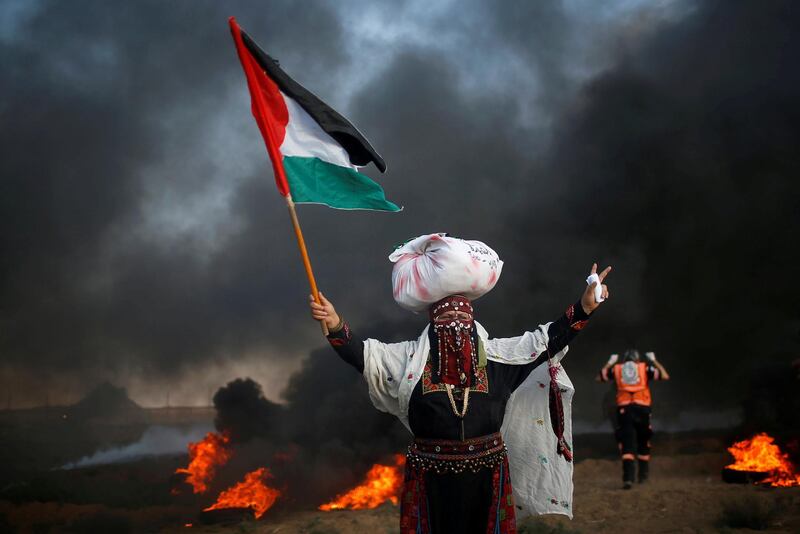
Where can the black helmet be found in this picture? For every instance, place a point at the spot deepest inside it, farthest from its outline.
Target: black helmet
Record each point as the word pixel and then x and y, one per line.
pixel 631 355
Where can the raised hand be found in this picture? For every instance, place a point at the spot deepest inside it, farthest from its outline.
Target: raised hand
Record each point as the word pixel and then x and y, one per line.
pixel 587 299
pixel 324 311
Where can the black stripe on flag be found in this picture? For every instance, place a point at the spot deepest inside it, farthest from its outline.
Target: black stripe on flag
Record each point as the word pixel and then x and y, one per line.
pixel 333 123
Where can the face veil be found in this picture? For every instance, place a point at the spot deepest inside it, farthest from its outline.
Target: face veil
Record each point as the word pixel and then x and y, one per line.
pixel 454 342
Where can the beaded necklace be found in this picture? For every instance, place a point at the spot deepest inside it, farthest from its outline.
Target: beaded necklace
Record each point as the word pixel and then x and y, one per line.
pixel 454 340
pixel 464 403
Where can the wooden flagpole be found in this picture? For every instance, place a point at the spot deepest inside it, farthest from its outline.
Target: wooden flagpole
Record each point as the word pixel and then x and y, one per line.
pixel 301 243
pixel 275 156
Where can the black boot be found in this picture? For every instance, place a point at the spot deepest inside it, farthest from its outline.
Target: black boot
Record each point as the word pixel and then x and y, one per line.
pixel 644 470
pixel 628 472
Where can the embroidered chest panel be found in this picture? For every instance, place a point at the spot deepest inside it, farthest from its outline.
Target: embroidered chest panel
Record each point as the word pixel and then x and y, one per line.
pixel 429 387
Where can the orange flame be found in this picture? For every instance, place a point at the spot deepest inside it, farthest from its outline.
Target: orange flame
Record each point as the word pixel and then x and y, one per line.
pixel 204 458
pixel 761 455
pixel 382 483
pixel 252 493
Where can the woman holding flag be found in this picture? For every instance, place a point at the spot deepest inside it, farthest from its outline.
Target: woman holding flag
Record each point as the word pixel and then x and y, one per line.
pixel 467 398
pixel 484 412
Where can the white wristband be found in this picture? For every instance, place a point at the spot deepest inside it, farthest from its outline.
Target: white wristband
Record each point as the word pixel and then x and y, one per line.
pixel 598 289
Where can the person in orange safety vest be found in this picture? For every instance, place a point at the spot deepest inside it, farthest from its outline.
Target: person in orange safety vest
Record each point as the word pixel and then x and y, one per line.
pixel 632 377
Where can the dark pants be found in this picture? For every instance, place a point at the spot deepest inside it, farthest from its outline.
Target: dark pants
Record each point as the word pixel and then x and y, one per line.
pixel 634 430
pixel 633 436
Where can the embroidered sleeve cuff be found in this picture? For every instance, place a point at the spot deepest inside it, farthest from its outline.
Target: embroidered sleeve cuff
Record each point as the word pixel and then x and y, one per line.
pixel 342 336
pixel 576 317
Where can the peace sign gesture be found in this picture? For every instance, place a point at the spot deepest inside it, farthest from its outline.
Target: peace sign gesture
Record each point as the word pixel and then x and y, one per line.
pixel 588 301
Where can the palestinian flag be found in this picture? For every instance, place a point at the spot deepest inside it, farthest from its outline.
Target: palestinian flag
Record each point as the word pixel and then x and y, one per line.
pixel 315 152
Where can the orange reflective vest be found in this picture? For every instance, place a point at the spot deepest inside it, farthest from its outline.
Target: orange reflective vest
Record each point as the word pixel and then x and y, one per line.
pixel 631 380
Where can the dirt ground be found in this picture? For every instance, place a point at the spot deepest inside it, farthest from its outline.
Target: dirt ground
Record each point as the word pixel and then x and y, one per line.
pixel 685 494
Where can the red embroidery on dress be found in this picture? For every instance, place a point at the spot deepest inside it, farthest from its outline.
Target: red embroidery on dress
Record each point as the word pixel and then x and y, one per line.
pixel 578 325
pixel 348 335
pixel 557 412
pixel 570 312
pixel 501 512
pixel 415 515
pixel 342 337
pixel 481 386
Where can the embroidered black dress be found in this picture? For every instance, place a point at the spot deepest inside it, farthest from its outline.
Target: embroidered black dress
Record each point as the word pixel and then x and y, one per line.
pixel 460 503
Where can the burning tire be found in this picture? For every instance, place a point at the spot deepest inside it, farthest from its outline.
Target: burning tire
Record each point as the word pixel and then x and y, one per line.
pixel 759 460
pixel 225 516
pixel 735 476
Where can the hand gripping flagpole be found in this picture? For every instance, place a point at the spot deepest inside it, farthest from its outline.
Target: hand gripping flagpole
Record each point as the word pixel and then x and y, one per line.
pixel 261 110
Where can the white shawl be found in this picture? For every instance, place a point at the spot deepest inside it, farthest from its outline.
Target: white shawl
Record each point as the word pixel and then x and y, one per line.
pixel 542 479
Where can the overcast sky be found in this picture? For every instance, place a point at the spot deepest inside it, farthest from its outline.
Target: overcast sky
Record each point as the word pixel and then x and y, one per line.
pixel 143 241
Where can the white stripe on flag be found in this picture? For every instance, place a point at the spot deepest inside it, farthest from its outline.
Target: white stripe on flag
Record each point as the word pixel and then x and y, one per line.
pixel 305 138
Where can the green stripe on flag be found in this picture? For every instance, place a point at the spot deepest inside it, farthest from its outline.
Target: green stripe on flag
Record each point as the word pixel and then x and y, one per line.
pixel 312 180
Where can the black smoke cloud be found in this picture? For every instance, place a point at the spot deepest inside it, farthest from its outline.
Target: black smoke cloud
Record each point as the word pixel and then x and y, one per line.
pixel 244 413
pixel 106 111
pixel 320 443
pixel 142 239
pixel 677 165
